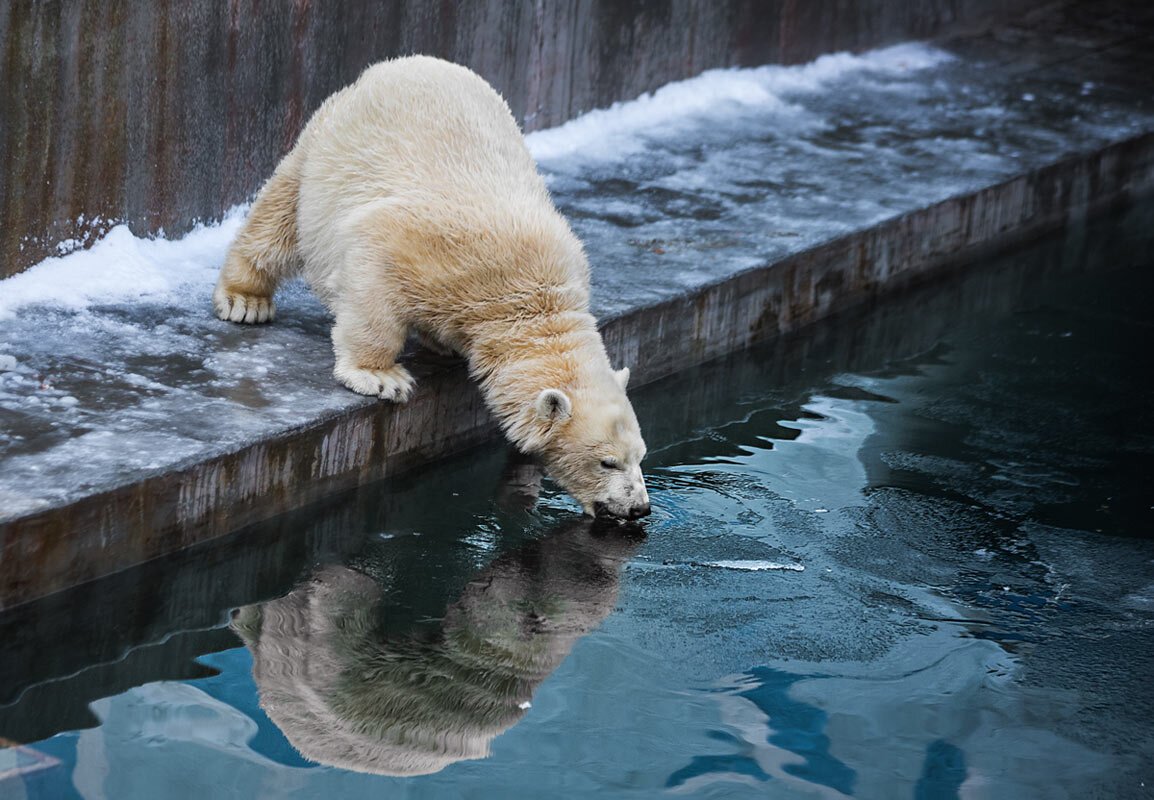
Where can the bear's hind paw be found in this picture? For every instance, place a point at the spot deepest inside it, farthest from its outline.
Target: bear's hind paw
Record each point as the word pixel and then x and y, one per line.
pixel 247 308
pixel 394 383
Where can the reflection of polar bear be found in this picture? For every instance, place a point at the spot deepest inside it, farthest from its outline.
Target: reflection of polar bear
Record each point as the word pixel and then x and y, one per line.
pixel 346 697
pixel 411 203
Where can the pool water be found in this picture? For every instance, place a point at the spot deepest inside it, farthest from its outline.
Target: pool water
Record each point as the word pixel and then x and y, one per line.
pixel 903 554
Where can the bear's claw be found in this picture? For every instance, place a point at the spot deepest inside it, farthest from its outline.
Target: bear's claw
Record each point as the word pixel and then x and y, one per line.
pixel 246 308
pixel 394 383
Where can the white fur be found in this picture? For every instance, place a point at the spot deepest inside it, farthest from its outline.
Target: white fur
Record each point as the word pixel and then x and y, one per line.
pixel 410 203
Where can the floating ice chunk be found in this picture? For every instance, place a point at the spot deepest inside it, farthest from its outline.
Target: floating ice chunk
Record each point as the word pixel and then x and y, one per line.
pixel 524 705
pixel 7 363
pixel 755 566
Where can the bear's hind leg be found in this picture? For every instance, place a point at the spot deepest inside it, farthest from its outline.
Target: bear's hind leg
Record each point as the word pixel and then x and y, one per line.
pixel 430 342
pixel 366 348
pixel 264 252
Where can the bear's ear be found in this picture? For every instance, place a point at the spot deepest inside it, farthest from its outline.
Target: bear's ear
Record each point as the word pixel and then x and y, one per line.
pixel 622 376
pixel 554 405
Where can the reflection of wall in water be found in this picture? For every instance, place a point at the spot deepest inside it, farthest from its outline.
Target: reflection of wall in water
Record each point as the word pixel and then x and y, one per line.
pixel 346 694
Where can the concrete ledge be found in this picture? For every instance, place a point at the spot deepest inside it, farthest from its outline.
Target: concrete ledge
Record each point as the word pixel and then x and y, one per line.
pixel 815 283
pixel 41 552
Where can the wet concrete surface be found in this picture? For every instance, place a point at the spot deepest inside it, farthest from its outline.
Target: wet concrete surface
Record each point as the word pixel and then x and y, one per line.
pixel 137 426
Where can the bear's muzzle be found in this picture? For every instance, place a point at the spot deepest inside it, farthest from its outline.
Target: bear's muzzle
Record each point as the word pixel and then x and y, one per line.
pixel 601 510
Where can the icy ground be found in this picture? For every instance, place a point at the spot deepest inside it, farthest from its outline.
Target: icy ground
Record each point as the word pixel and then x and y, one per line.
pixel 112 366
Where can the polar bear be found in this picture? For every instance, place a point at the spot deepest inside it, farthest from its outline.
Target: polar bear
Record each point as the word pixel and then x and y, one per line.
pixel 410 203
pixel 347 692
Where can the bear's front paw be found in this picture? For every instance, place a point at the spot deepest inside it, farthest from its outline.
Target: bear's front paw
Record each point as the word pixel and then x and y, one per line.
pixel 394 383
pixel 247 308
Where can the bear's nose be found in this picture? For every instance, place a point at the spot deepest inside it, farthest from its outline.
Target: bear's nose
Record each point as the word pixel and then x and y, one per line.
pixel 637 512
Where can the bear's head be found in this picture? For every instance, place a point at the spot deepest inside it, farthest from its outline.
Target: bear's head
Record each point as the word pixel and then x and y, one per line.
pixel 594 446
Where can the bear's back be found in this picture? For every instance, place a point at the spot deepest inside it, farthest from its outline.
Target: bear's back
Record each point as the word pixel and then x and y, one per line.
pixel 424 127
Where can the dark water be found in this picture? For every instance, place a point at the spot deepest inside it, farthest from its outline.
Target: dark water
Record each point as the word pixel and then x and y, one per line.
pixel 906 554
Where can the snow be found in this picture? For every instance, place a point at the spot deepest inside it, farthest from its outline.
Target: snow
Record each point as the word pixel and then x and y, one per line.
pixel 624 128
pixel 122 268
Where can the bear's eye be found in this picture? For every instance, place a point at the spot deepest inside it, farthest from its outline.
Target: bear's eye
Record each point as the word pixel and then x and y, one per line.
pixel 610 463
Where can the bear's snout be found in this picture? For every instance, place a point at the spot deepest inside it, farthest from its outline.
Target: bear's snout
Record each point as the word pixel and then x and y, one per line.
pixel 637 512
pixel 603 510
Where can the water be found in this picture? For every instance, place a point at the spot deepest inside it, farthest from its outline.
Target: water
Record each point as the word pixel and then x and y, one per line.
pixel 905 553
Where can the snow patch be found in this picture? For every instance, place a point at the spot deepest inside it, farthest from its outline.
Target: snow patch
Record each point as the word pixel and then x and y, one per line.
pixel 121 268
pixel 612 133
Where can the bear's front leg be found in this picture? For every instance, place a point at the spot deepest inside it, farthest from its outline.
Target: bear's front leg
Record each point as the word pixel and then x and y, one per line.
pixel 366 356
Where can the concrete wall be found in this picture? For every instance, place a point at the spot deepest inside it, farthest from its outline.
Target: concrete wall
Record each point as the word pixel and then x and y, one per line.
pixel 164 112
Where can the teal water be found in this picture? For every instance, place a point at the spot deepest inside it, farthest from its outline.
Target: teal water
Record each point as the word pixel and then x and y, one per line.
pixel 905 554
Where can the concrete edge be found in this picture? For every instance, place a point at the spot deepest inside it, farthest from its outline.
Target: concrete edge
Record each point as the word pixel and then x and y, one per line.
pixel 44 552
